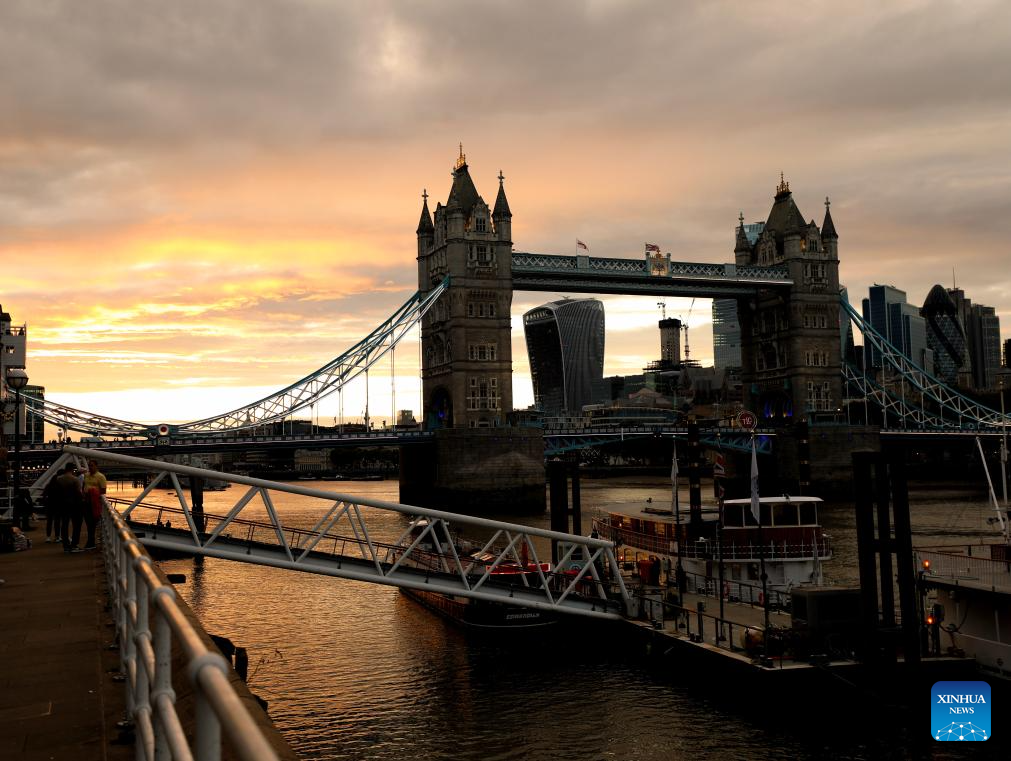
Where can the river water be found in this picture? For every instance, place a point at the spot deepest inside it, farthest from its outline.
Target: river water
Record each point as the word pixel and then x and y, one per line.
pixel 357 671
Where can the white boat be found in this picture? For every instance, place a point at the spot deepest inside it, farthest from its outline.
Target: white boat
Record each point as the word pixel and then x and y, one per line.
pixel 965 591
pixel 792 540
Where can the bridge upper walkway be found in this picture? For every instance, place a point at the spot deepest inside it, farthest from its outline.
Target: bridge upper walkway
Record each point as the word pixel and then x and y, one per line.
pixel 651 276
pixel 344 542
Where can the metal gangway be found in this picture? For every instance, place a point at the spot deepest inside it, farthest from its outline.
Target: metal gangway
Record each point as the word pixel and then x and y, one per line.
pixel 502 566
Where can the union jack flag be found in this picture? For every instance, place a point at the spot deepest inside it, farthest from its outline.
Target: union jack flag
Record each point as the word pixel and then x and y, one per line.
pixel 652 247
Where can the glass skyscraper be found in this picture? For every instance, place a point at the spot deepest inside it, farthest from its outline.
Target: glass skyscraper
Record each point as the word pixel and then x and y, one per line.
pixel 945 335
pixel 900 323
pixel 726 334
pixel 565 344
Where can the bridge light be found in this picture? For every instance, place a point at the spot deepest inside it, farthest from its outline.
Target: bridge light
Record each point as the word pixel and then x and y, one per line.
pixel 926 565
pixel 930 620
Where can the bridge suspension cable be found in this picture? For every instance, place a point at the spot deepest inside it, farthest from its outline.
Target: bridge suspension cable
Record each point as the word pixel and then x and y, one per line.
pixel 948 408
pixel 301 394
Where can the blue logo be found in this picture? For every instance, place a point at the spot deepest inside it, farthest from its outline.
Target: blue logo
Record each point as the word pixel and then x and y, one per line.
pixel 960 711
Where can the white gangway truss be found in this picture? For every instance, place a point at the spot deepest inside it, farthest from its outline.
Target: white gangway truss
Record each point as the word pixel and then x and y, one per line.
pixel 426 555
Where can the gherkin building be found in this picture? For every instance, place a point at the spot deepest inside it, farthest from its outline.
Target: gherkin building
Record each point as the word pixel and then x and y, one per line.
pixel 945 335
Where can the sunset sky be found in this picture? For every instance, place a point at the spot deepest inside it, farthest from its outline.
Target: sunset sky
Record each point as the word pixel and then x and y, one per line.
pixel 203 201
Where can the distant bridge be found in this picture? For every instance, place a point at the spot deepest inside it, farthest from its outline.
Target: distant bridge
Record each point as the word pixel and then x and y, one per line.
pixel 557 440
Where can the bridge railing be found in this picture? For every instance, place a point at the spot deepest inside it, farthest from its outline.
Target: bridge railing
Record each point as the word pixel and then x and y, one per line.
pixel 955 566
pixel 148 623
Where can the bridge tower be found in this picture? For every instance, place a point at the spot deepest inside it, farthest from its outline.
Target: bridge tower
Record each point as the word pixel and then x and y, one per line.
pixel 465 338
pixel 477 462
pixel 790 343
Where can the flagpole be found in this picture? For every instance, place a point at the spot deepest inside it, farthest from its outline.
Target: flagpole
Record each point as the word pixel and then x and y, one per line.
pixel 679 575
pixel 719 539
pixel 756 510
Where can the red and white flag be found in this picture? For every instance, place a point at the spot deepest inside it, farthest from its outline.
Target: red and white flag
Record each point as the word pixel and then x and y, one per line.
pixel 580 244
pixel 652 247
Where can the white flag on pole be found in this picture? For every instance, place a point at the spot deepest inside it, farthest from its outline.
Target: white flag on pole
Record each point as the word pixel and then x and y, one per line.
pixel 754 482
pixel 674 464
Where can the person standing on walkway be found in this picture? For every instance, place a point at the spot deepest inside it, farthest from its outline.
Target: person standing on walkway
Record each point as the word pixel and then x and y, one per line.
pixel 94 491
pixel 71 500
pixel 54 510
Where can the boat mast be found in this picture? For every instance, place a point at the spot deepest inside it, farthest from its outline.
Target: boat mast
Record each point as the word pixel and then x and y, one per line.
pixel 993 495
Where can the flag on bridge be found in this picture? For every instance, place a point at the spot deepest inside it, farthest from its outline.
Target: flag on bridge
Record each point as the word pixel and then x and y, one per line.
pixel 652 247
pixel 754 484
pixel 580 244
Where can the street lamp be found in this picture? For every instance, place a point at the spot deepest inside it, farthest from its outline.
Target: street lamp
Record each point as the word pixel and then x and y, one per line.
pixel 17 379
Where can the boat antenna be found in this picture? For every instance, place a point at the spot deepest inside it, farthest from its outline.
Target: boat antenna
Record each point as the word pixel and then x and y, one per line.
pixel 993 495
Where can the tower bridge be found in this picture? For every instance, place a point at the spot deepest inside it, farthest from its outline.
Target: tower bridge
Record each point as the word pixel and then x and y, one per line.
pixel 784 277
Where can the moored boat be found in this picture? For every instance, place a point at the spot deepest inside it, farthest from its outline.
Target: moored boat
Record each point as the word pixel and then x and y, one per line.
pixel 965 593
pixel 791 539
pixel 473 612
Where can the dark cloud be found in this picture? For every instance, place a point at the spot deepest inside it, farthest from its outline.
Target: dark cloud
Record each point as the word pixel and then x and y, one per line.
pixel 616 121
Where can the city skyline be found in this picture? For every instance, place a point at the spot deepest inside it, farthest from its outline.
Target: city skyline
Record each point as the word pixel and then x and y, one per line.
pixel 199 206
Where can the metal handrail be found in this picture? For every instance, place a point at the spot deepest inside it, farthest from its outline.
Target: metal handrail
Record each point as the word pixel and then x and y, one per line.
pixel 148 621
pixel 962 569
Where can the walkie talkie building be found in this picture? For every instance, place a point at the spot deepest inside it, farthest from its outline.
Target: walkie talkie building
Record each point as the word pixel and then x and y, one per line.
pixel 565 344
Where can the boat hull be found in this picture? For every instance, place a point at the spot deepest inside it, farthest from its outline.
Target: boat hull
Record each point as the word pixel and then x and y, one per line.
pixel 482 614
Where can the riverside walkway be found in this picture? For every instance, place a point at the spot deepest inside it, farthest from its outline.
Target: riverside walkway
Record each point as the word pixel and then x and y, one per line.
pixel 59 693
pixel 58 699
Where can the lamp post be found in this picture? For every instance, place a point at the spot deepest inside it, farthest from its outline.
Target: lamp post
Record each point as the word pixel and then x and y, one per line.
pixel 17 379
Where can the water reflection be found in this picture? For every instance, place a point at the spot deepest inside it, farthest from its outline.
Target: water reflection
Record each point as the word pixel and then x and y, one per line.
pixel 357 671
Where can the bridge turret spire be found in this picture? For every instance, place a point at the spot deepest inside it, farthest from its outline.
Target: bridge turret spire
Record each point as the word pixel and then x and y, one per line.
pixel 742 248
pixel 501 203
pixel 783 188
pixel 827 227
pixel 425 226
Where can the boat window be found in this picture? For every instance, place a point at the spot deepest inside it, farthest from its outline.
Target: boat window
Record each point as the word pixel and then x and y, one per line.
pixel 766 512
pixel 733 515
pixel 784 514
pixel 808 514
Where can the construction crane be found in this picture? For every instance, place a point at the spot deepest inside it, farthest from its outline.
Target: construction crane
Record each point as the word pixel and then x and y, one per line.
pixel 684 326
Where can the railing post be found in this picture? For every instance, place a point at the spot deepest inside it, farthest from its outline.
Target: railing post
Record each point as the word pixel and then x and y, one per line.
pixel 208 740
pixel 124 624
pixel 162 691
pixel 142 708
